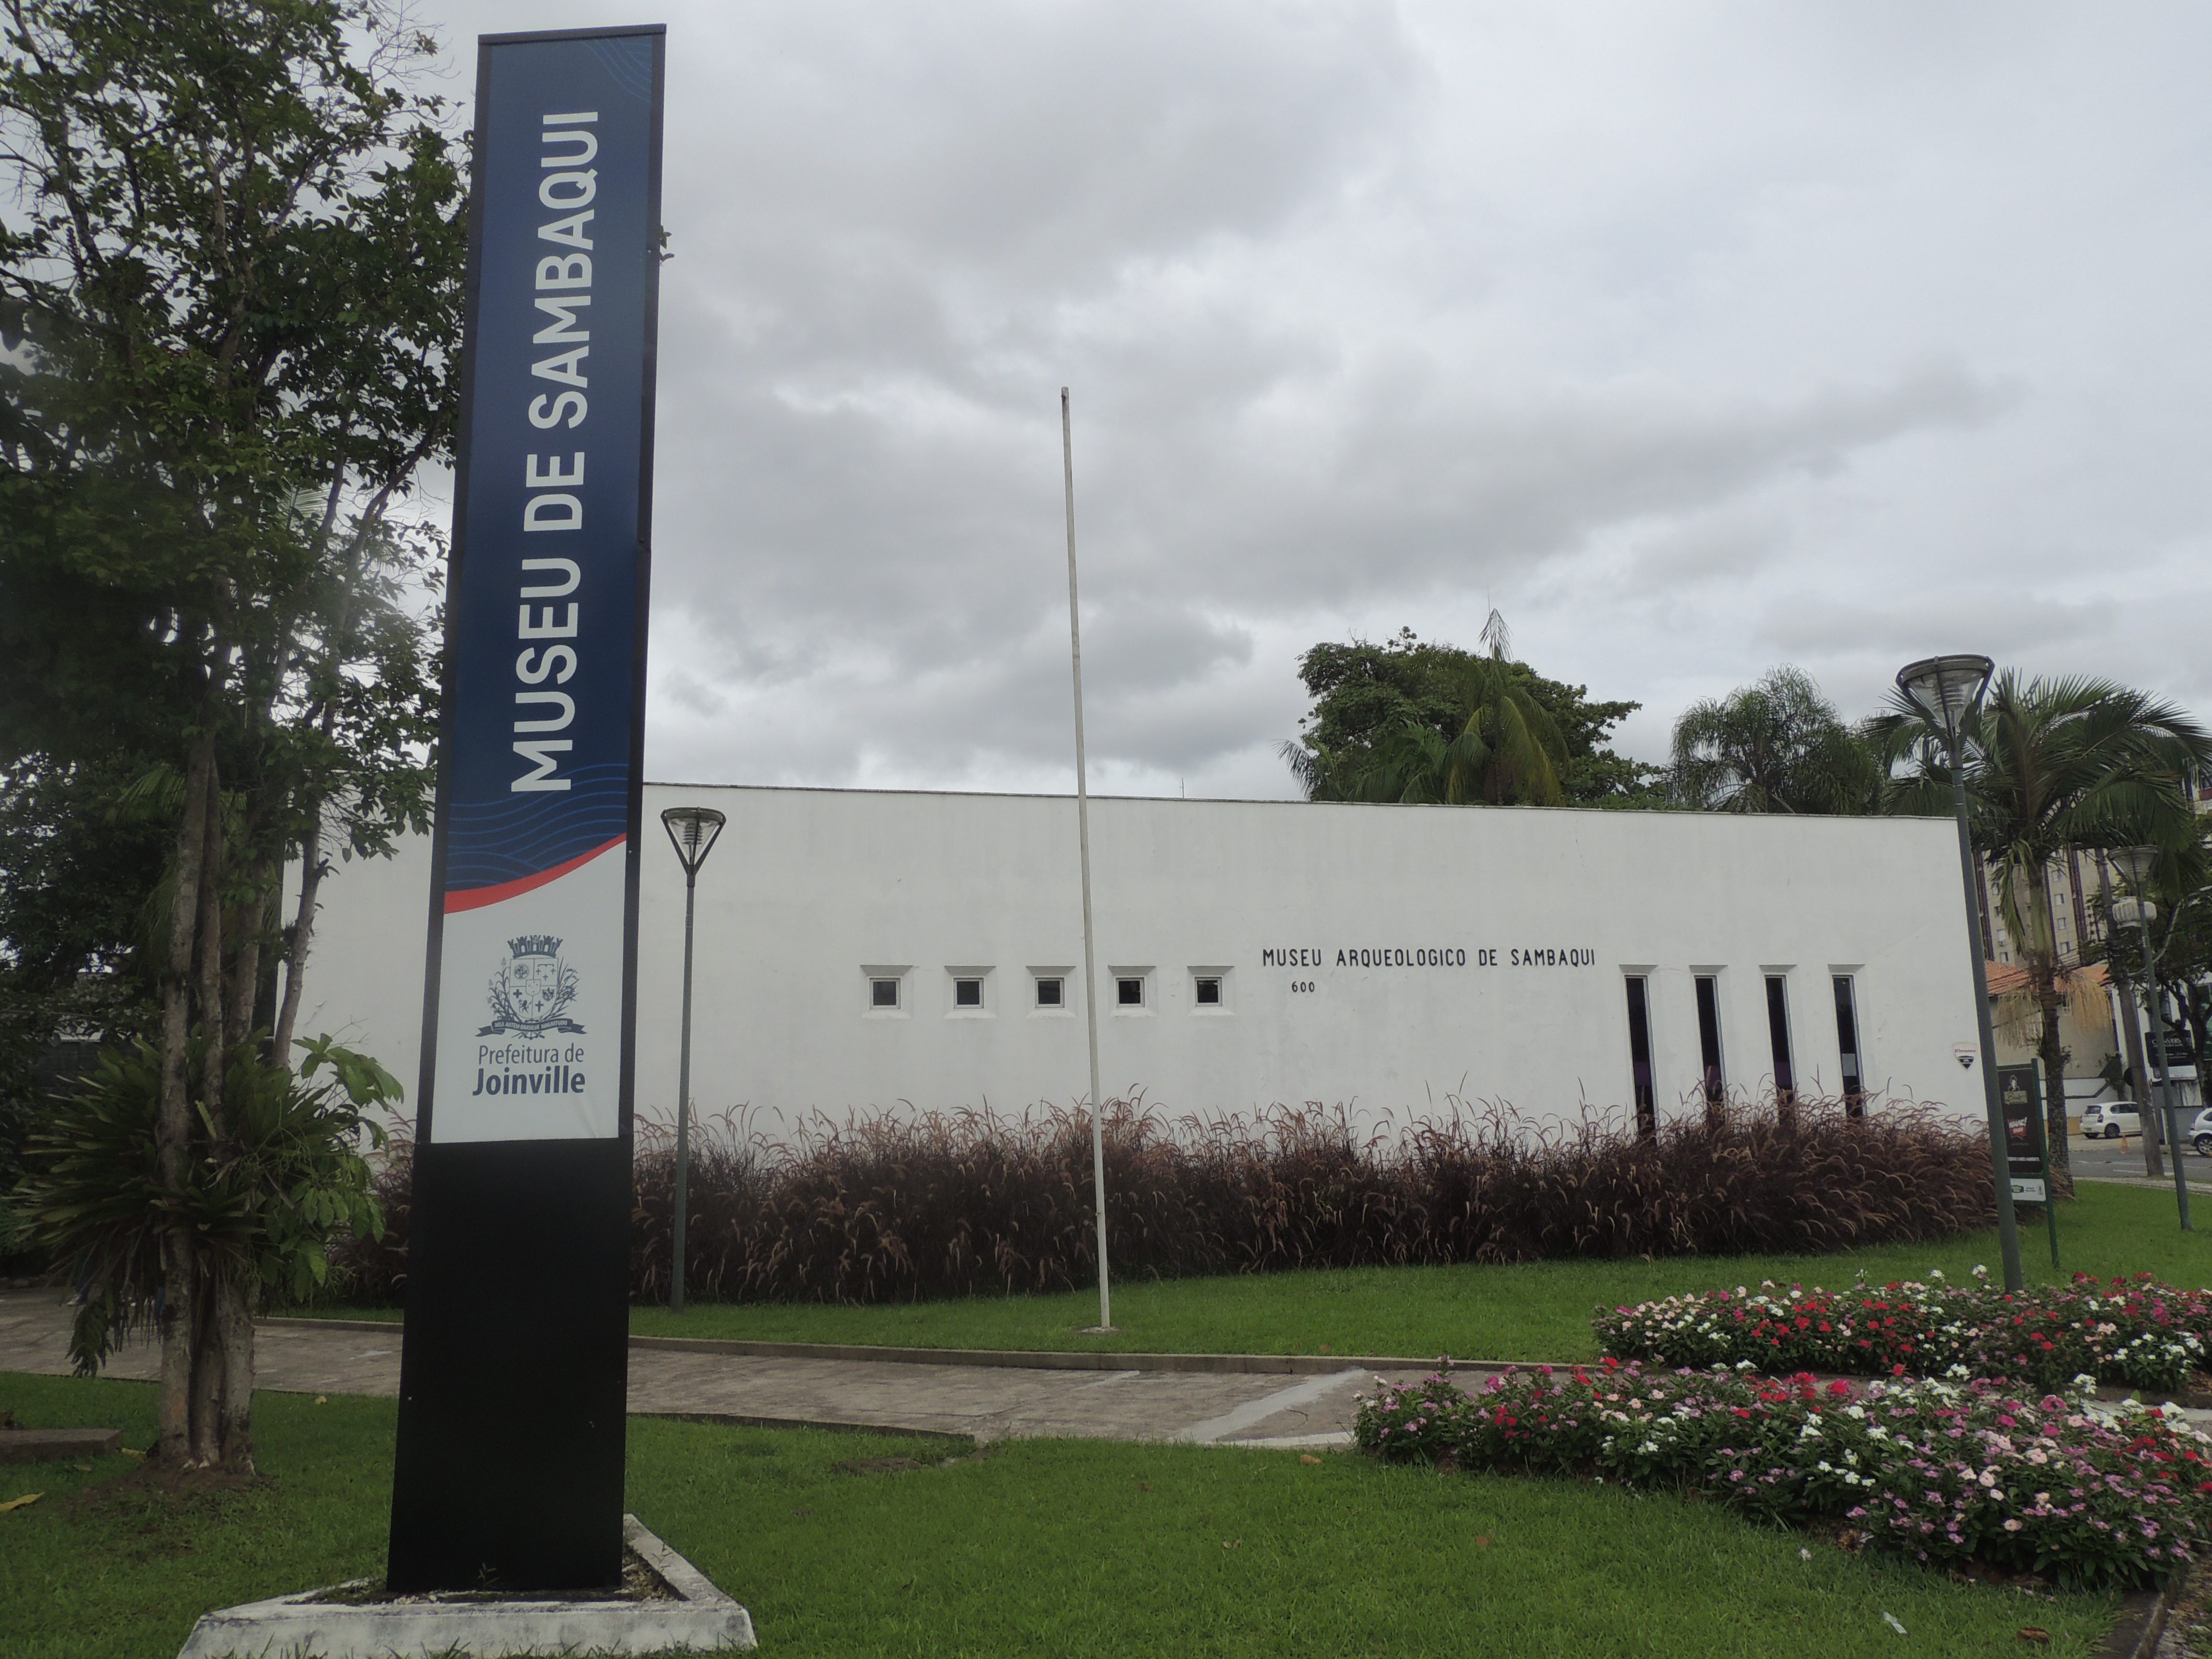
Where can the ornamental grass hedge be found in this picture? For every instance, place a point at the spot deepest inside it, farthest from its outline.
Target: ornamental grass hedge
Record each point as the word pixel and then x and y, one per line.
pixel 886 1208
pixel 1954 1474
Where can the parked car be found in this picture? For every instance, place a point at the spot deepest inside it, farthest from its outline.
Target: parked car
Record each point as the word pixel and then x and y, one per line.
pixel 2200 1133
pixel 2108 1120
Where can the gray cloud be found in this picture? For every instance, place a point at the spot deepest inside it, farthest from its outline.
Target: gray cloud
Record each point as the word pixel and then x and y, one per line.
pixel 1696 340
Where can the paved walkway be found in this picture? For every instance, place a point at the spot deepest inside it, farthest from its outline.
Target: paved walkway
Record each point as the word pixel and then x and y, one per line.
pixel 986 1403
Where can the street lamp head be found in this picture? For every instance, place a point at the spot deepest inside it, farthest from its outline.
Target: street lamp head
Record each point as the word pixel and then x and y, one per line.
pixel 1946 688
pixel 692 830
pixel 2134 863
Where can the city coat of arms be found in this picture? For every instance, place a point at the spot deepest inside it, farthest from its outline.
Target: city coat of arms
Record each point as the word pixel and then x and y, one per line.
pixel 531 990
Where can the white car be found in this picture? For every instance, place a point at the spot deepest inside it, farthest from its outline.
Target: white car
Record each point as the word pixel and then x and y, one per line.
pixel 2108 1120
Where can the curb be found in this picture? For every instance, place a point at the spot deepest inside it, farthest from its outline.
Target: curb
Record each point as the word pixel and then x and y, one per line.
pixel 2196 1183
pixel 1045 1359
pixel 1049 1359
pixel 1041 1359
pixel 2143 1622
pixel 889 1430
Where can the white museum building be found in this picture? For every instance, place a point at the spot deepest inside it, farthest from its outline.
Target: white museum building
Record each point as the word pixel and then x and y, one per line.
pixel 859 950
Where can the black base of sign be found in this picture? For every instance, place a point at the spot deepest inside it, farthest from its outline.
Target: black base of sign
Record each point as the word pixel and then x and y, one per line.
pixel 515 1371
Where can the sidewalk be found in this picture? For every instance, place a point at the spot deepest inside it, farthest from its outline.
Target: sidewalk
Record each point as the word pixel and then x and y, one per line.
pixel 982 1402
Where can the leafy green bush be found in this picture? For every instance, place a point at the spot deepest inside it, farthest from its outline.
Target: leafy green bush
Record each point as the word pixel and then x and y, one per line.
pixel 259 1203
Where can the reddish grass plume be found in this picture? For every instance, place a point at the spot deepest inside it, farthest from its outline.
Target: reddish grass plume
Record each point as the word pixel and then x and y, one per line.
pixel 889 1208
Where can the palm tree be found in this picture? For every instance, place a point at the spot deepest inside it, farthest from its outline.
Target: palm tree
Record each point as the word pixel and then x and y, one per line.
pixel 1508 750
pixel 1775 746
pixel 2051 764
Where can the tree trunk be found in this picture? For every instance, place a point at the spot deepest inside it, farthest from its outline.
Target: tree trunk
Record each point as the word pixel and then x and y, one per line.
pixel 246 963
pixel 207 1379
pixel 233 1343
pixel 303 932
pixel 179 1298
pixel 2054 1092
pixel 213 1005
pixel 2131 1038
pixel 2043 964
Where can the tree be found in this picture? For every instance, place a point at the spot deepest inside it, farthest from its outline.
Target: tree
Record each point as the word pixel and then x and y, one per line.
pixel 2180 886
pixel 1776 745
pixel 2051 764
pixel 78 872
pixel 1385 719
pixel 232 301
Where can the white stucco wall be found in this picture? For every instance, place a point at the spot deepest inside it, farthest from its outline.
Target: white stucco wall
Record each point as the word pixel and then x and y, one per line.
pixel 809 888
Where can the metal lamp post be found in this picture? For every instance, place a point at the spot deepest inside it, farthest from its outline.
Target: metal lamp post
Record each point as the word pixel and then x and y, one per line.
pixel 1948 692
pixel 693 830
pixel 2135 863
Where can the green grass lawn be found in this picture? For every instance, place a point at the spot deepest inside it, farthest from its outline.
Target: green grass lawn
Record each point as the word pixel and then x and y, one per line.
pixel 1043 1547
pixel 1537 1310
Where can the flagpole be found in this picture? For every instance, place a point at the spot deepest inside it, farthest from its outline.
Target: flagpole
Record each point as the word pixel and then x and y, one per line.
pixel 1083 835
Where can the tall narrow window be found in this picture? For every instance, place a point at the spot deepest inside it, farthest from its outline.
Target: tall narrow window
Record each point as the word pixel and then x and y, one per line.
pixel 1777 1036
pixel 1639 1056
pixel 1847 1044
pixel 1709 1044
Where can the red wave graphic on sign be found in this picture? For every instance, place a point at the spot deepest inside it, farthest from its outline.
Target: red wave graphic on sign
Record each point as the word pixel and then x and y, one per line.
pixel 476 898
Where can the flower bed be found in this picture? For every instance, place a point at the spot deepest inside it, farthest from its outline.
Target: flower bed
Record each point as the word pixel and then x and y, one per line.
pixel 2134 1332
pixel 1947 1472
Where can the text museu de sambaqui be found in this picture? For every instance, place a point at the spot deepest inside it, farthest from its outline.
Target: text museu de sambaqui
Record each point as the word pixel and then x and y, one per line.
pixel 1519 955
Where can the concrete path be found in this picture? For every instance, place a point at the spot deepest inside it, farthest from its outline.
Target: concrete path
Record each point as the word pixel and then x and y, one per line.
pixel 985 1402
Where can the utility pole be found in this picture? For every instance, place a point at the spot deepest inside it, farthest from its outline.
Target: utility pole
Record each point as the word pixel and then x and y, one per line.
pixel 1083 838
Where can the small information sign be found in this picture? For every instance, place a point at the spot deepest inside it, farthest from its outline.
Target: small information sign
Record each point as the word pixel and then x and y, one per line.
pixel 2027 1155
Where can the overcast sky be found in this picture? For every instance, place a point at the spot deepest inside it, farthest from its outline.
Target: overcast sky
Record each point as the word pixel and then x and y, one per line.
pixel 1695 338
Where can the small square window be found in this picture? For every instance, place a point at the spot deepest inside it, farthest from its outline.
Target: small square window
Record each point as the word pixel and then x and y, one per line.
pixel 1049 992
pixel 1129 993
pixel 883 993
pixel 1209 992
pixel 966 993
